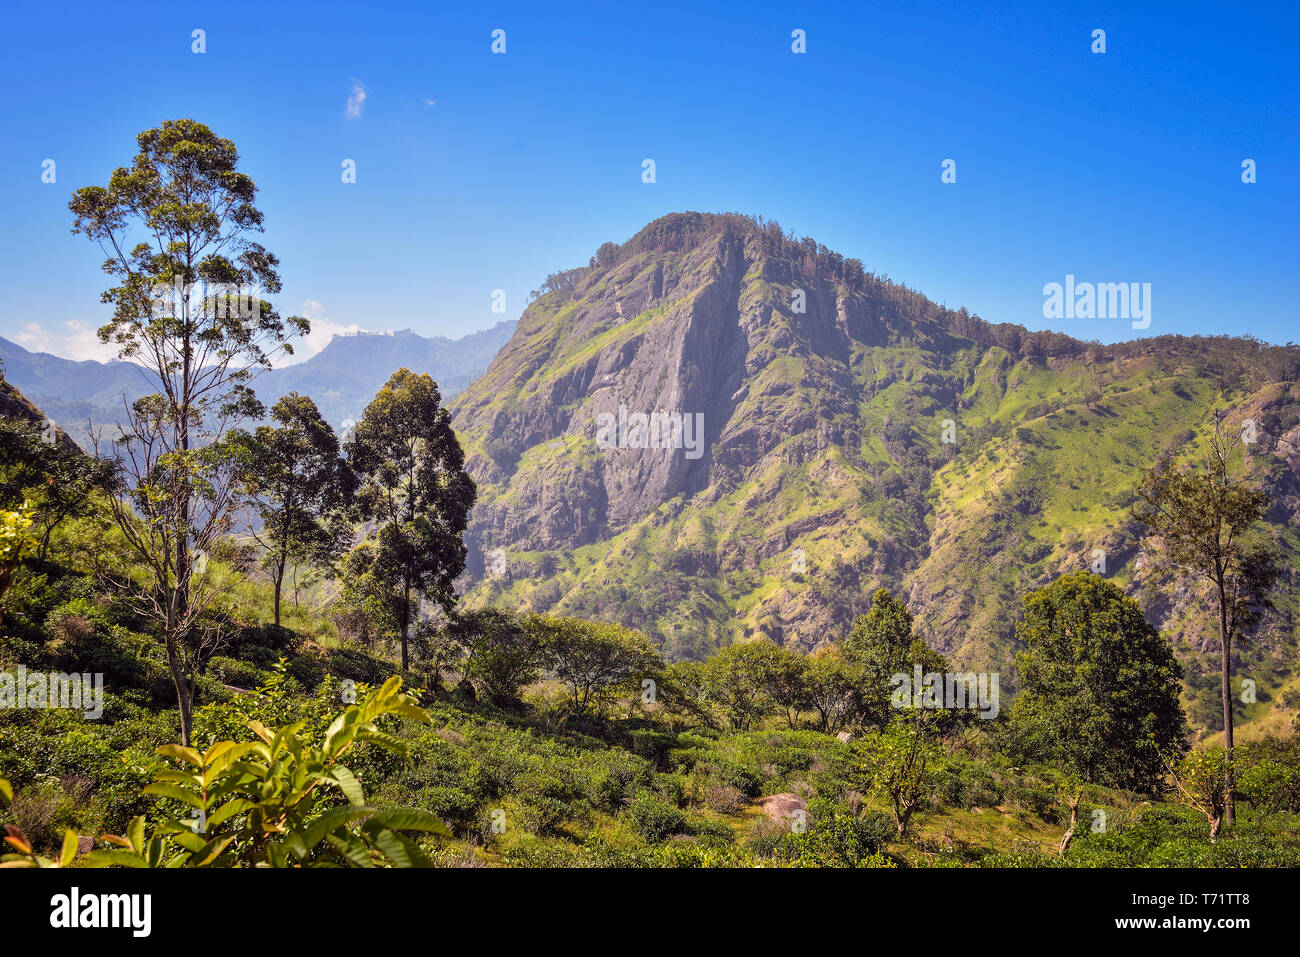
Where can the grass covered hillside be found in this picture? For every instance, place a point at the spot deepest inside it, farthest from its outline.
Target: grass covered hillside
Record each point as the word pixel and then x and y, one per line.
pixel 702 776
pixel 516 739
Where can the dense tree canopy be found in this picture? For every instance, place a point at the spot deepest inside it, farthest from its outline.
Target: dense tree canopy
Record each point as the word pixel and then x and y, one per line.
pixel 417 492
pixel 883 644
pixel 1098 685
pixel 593 657
pixel 302 490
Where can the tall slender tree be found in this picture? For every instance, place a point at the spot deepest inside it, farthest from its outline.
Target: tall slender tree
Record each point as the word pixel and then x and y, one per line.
pixel 300 487
pixel 1199 521
pixel 188 308
pixel 415 489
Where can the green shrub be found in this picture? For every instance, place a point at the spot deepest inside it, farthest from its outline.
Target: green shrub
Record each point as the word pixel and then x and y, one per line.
pixel 654 818
pixel 833 837
pixel 649 743
pixel 547 798
pixel 1271 785
pixel 710 830
pixel 240 674
pixel 968 786
pixel 276 801
pixel 1039 801
pixel 610 776
pixel 456 806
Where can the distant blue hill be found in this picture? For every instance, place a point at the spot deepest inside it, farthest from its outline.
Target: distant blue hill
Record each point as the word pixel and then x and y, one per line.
pixel 341 378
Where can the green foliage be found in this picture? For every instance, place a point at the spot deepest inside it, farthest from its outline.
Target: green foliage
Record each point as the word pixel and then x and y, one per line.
pixel 655 818
pixel 833 687
pixel 1203 784
pixel 15 527
pixel 44 473
pixel 881 645
pixel 738 680
pixel 1201 522
pixel 1270 776
pixel 901 767
pixel 200 346
pixel 278 801
pixel 1174 836
pixel 530 730
pixel 1098 685
pixel 834 837
pixel 415 488
pixel 593 658
pixel 502 655
pixel 300 487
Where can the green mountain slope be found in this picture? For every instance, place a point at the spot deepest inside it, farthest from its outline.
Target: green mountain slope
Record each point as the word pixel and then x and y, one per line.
pixel 873 438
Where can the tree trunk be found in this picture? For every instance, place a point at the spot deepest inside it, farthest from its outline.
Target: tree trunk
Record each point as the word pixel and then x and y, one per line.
pixel 279 580
pixel 184 700
pixel 1226 643
pixel 181 596
pixel 6 574
pixel 406 624
pixel 901 815
pixel 180 599
pixel 1074 822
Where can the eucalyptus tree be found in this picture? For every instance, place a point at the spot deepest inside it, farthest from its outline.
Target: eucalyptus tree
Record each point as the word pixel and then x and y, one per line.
pixel 300 488
pixel 177 229
pixel 1200 523
pixel 416 492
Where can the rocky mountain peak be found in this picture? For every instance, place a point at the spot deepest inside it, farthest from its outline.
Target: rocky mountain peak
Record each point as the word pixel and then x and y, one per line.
pixel 717 431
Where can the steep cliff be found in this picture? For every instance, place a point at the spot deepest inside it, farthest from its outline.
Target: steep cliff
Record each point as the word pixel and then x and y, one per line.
pixel 855 434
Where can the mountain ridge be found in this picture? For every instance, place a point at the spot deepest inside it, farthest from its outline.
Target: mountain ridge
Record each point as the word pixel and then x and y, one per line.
pixel 826 445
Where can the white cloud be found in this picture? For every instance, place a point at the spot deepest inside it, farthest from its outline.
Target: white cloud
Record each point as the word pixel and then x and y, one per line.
pixel 356 100
pixel 77 341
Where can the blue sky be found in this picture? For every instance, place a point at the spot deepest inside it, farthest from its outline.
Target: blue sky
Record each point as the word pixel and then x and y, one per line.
pixel 478 171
